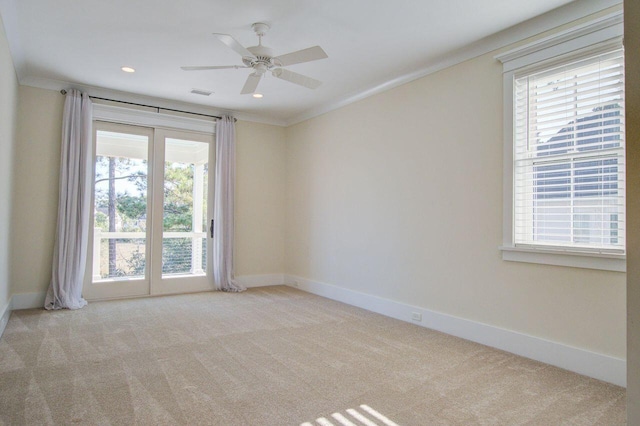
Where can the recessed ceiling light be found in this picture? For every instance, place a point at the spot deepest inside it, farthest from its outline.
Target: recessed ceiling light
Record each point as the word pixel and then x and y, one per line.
pixel 257 95
pixel 127 69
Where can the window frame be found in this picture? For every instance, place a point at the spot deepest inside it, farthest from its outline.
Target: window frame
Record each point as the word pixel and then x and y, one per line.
pixel 599 35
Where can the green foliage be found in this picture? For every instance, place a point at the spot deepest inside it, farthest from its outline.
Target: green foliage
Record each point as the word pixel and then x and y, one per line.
pixel 132 210
pixel 178 197
pixel 101 221
pixel 136 262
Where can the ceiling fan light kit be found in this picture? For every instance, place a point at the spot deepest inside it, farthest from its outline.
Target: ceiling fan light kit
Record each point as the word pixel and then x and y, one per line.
pixel 261 59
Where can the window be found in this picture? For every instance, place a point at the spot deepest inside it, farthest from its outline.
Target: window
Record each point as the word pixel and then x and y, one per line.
pixel 564 149
pixel 569 155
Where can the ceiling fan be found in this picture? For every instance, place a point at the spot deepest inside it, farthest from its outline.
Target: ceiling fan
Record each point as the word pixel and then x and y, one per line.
pixel 260 58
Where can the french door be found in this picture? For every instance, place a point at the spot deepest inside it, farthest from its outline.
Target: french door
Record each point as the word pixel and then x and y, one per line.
pixel 153 200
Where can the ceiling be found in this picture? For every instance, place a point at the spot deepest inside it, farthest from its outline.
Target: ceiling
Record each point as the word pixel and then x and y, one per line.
pixel 369 43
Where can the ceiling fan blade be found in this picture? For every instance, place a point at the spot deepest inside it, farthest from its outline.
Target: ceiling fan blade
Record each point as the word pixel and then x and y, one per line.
pixel 251 84
pixel 233 44
pixel 296 78
pixel 220 67
pixel 305 55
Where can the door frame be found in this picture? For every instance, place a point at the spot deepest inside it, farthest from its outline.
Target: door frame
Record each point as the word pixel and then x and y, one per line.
pixel 153 283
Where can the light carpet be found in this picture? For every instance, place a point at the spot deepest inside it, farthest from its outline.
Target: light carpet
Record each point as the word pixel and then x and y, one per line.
pixel 273 356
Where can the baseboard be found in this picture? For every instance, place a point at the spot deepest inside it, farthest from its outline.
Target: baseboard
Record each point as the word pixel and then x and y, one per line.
pixel 28 300
pixel 598 366
pixel 5 313
pixel 36 300
pixel 260 280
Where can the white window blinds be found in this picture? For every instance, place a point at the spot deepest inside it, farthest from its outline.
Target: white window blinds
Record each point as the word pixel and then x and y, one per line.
pixel 569 155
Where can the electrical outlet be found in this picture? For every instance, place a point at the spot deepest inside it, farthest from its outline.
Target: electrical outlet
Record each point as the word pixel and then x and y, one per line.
pixel 416 316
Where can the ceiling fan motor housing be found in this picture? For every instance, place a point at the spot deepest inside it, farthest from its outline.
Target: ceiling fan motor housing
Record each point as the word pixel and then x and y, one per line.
pixel 263 56
pixel 259 62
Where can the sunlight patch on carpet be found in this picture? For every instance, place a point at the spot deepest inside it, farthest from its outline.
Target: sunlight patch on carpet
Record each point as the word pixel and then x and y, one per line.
pixel 366 415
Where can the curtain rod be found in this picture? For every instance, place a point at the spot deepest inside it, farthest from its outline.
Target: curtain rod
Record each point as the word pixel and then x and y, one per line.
pixel 64 92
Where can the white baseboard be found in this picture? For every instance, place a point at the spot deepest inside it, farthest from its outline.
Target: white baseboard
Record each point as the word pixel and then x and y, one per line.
pixel 260 280
pixel 598 366
pixel 28 300
pixel 5 313
pixel 36 300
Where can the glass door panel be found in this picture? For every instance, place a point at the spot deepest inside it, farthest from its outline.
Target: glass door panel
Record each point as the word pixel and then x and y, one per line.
pixel 184 236
pixel 184 202
pixel 120 212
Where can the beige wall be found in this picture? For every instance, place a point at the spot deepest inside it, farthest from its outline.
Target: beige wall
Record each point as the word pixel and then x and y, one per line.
pixel 8 124
pixel 260 201
pixel 632 49
pixel 36 175
pixel 400 196
pixel 260 193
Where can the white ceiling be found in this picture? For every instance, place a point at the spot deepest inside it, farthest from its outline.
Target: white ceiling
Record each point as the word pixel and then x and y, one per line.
pixel 369 43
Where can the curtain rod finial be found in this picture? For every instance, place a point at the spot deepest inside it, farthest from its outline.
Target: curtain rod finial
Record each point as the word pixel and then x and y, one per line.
pixel 64 92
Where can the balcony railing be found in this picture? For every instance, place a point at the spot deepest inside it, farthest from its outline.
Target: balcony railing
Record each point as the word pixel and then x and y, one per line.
pixel 183 253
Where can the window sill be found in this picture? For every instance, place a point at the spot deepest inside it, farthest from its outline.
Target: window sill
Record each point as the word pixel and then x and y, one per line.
pixel 605 262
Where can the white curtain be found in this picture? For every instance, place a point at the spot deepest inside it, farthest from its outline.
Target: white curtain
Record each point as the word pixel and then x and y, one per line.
pixel 223 224
pixel 72 232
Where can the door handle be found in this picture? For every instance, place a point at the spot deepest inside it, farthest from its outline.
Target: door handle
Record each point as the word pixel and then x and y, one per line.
pixel 211 228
